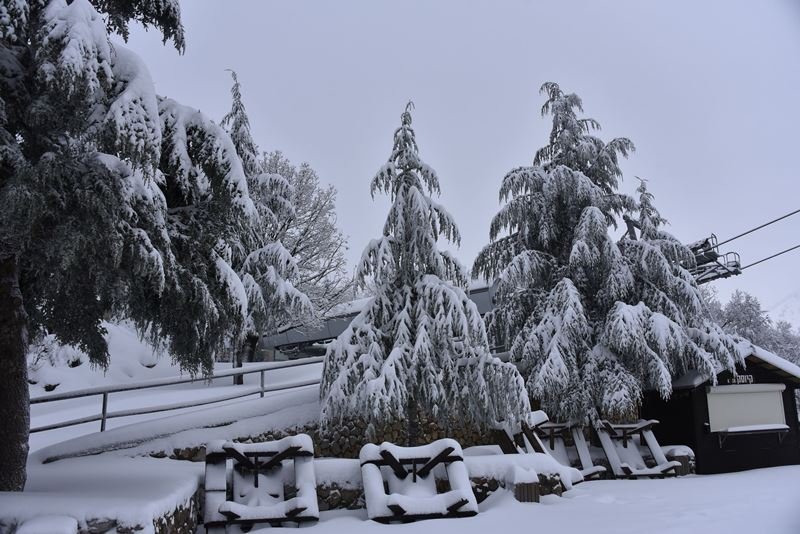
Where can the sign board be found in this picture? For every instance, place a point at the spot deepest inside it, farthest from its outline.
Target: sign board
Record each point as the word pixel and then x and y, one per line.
pixel 739 379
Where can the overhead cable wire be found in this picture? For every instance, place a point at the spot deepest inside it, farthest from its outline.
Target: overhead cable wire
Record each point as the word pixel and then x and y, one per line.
pixel 770 257
pixel 759 227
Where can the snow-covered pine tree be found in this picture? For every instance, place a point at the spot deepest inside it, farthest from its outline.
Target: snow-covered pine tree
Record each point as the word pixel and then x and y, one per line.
pixel 312 237
pixel 267 269
pixel 589 322
pixel 418 351
pixel 113 202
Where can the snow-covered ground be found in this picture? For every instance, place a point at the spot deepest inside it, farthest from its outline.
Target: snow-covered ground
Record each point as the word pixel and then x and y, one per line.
pixel 751 502
pixel 138 489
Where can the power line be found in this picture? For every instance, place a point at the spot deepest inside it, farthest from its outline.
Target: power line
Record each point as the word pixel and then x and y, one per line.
pixel 759 227
pixel 770 257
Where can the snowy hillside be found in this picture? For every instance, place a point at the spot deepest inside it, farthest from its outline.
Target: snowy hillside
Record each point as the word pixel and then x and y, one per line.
pixel 52 367
pixel 787 309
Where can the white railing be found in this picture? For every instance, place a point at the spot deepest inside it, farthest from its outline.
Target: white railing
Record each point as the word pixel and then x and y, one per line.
pixel 105 391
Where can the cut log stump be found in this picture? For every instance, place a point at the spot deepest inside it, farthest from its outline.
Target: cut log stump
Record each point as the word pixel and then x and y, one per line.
pixel 526 491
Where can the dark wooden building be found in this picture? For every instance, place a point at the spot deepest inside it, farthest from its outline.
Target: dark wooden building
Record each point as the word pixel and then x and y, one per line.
pixel 745 421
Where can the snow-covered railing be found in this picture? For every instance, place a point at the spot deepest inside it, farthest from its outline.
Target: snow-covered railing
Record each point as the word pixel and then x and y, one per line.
pixel 105 391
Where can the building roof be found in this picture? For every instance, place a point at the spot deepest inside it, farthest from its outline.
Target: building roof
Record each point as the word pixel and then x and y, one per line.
pixel 775 363
pixel 753 355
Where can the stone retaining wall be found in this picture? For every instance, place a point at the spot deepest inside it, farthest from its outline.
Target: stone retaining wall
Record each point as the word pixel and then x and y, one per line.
pixel 331 496
pixel 345 440
pixel 182 520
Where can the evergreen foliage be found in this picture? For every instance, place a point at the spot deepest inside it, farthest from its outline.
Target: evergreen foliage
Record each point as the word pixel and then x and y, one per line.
pixel 113 202
pixel 590 322
pixel 264 265
pixel 418 351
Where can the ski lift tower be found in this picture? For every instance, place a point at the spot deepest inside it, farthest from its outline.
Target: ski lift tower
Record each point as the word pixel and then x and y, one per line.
pixel 712 265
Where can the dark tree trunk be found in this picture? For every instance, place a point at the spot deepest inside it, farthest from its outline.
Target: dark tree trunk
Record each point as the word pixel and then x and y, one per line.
pixel 14 399
pixel 246 354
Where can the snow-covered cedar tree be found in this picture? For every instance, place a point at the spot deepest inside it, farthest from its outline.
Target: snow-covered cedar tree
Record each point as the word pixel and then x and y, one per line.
pixel 418 351
pixel 590 322
pixel 113 202
pixel 313 238
pixel 267 269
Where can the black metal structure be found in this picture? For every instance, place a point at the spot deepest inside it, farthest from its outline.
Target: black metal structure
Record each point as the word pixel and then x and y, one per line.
pixel 710 264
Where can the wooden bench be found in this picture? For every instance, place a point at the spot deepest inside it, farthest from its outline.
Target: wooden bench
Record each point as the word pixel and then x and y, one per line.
pixel 400 485
pixel 612 434
pixel 235 473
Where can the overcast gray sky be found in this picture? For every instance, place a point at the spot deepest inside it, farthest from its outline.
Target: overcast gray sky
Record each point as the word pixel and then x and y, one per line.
pixel 708 92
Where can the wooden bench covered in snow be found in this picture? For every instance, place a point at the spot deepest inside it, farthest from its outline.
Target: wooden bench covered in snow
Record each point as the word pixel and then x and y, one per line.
pixel 400 483
pixel 623 453
pixel 245 483
pixel 555 439
pixel 524 439
pixel 540 435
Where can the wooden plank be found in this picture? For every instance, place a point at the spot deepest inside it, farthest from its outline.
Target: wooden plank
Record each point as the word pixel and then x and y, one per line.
pixel 433 462
pixel 289 452
pixel 295 511
pixel 504 441
pixel 582 447
pixel 611 452
pixel 396 509
pixel 239 457
pixel 395 465
pixel 456 505
pixel 534 440
pixel 655 448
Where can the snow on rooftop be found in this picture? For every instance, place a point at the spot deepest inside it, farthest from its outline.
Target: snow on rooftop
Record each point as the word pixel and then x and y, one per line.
pixel 776 361
pixel 478 284
pixel 348 308
pixel 694 378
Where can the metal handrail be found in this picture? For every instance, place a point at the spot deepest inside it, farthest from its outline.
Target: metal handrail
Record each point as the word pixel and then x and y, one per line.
pixel 105 391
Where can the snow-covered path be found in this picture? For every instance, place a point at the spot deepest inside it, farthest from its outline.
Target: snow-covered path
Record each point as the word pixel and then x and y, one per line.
pixel 751 502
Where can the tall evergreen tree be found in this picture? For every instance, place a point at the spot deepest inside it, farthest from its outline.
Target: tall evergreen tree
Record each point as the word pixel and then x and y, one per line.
pixel 590 322
pixel 266 267
pixel 418 351
pixel 113 202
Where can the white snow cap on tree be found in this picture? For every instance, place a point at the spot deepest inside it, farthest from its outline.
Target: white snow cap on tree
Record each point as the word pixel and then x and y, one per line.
pixel 267 269
pixel 592 323
pixel 169 197
pixel 419 348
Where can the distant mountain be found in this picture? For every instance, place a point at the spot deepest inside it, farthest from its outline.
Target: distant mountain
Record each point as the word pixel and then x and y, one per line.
pixel 788 309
